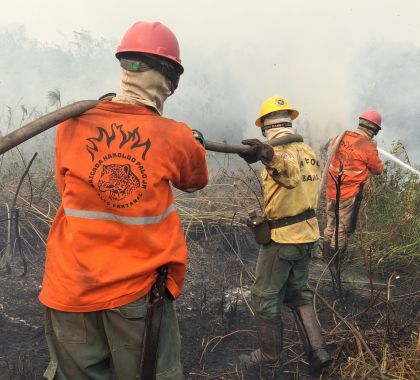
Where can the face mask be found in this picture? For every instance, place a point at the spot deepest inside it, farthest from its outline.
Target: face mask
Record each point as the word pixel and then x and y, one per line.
pixel 149 88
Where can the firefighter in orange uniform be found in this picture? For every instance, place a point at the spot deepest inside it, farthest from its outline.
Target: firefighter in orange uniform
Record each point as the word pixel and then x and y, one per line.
pixel 354 160
pixel 116 247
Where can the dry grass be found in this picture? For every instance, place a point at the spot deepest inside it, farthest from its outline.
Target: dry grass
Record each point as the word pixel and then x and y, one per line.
pixel 373 339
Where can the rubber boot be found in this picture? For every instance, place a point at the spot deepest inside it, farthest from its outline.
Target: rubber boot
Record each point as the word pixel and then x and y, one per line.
pixel 312 339
pixel 270 337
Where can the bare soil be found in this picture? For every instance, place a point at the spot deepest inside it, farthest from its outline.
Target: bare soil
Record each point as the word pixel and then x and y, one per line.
pixel 216 324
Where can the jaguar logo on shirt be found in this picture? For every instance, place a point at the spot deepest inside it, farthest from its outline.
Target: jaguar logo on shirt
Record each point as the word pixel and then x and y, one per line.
pixel 118 180
pixel 118 171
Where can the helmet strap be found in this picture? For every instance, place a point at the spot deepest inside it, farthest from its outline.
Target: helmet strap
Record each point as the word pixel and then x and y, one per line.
pixel 284 124
pixel 145 62
pixel 131 65
pixel 369 125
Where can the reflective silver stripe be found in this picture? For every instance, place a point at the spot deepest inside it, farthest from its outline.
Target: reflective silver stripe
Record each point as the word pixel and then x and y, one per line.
pixel 136 220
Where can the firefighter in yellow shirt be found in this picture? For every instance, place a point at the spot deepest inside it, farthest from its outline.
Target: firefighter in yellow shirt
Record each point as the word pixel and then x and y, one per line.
pixel 290 184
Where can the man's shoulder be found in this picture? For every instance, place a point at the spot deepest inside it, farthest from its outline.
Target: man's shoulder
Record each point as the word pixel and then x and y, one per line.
pixel 173 122
pixel 307 149
pixel 296 150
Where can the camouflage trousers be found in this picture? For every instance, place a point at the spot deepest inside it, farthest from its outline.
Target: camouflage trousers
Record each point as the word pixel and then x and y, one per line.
pixel 345 214
pixel 106 345
pixel 281 278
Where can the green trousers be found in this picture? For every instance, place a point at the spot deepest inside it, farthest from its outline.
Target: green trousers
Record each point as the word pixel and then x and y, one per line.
pixel 281 278
pixel 83 345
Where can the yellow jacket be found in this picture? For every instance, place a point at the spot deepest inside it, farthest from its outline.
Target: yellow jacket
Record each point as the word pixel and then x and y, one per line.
pixel 290 186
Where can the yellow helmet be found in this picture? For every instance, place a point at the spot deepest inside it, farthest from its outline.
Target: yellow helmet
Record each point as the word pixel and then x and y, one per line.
pixel 273 104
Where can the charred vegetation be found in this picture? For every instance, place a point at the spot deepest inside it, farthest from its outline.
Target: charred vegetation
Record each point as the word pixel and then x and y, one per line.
pixel 372 332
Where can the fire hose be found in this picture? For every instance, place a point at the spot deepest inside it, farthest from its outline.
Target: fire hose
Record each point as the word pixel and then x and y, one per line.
pixel 155 309
pixel 50 120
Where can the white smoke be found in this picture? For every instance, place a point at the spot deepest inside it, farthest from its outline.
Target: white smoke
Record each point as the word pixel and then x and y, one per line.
pixel 330 59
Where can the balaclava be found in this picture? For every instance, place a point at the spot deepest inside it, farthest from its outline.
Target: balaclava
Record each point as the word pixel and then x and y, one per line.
pixel 149 88
pixel 367 132
pixel 280 117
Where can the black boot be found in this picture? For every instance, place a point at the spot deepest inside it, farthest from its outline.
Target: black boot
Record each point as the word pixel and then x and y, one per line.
pixel 311 337
pixel 270 337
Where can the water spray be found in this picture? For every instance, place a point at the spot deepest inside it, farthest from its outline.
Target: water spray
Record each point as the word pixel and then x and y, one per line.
pixel 398 161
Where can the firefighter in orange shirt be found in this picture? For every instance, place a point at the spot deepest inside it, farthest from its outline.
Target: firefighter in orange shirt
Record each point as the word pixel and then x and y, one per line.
pixel 354 160
pixel 116 254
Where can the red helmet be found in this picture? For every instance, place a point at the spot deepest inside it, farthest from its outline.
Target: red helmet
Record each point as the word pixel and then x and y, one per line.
pixel 151 38
pixel 372 116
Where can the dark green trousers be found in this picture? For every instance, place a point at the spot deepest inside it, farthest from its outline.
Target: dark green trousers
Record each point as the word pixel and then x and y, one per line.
pixel 281 278
pixel 83 345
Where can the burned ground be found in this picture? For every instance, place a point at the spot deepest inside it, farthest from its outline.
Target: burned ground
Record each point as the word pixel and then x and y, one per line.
pixel 372 333
pixel 216 324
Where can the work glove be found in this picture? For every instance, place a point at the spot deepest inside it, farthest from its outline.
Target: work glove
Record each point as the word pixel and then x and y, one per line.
pixel 258 151
pixel 198 136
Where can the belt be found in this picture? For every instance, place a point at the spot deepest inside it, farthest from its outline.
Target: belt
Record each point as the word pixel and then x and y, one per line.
pixel 288 220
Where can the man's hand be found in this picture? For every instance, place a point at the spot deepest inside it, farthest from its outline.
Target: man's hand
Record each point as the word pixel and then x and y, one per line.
pixel 198 136
pixel 258 151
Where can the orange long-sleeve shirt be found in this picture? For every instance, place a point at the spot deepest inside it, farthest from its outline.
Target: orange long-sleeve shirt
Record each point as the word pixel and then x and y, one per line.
pixel 117 222
pixel 359 157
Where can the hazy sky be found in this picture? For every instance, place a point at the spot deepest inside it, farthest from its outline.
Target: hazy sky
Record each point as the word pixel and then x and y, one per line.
pixel 307 50
pixel 233 23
